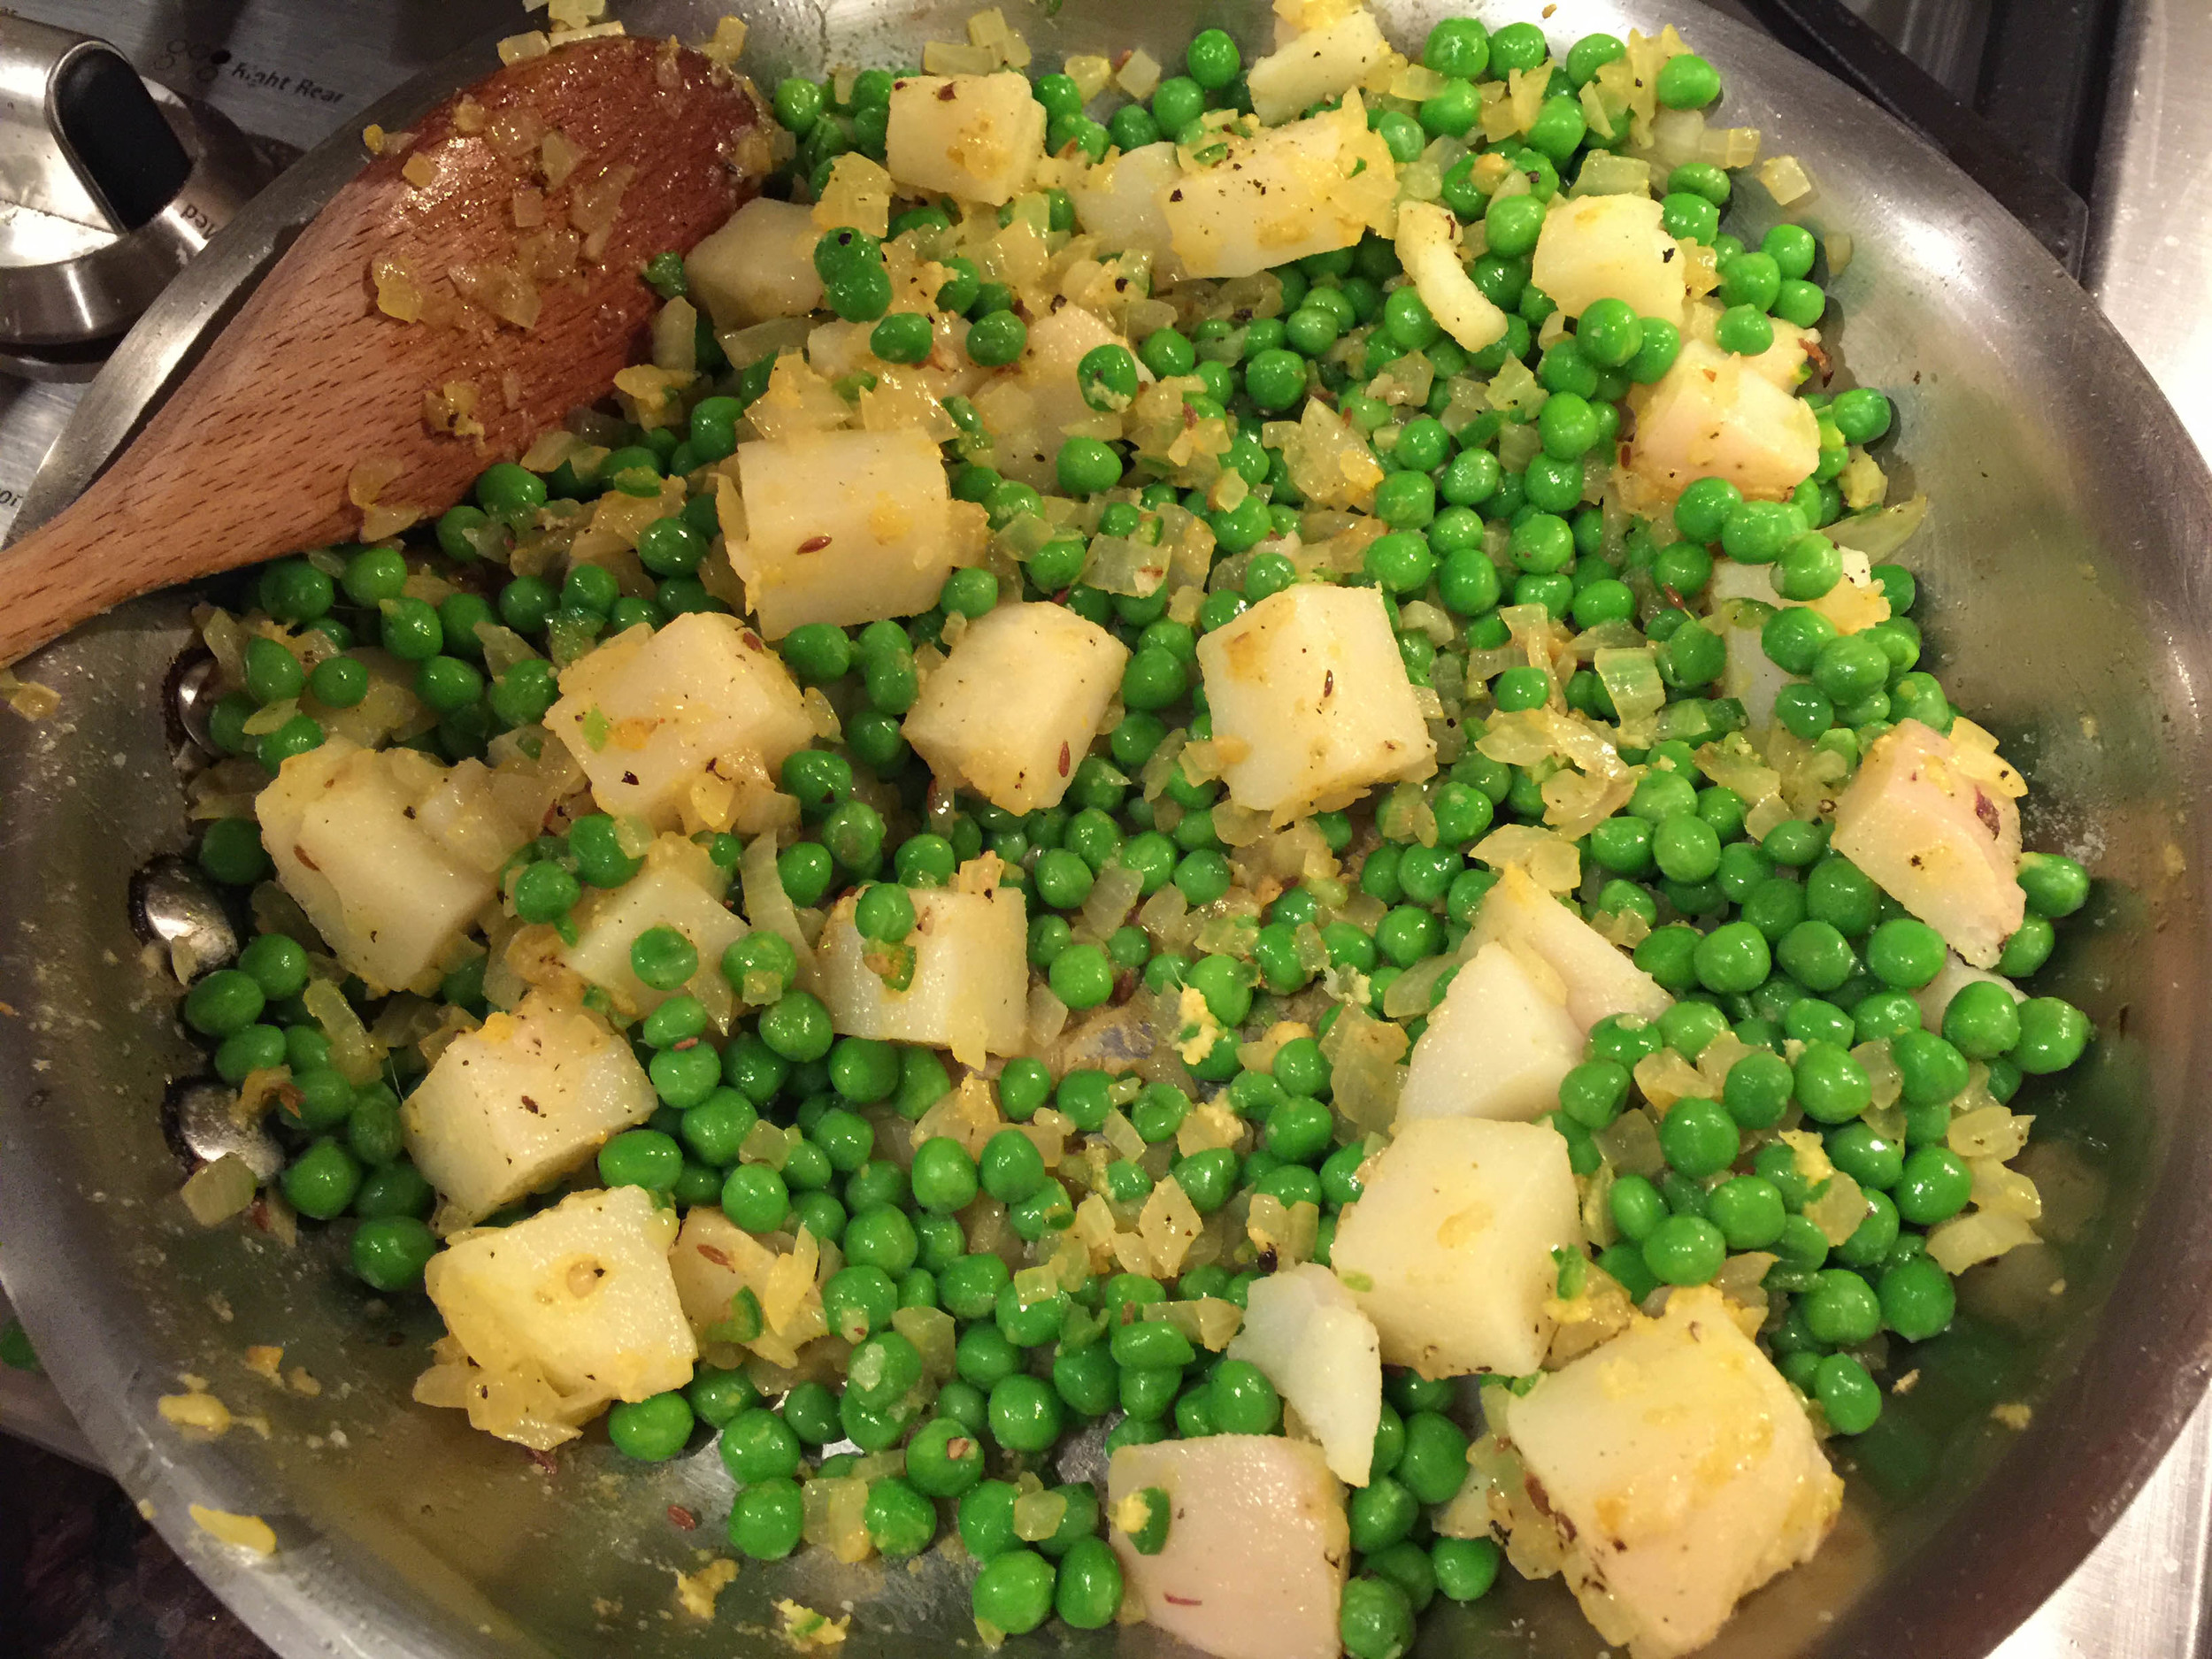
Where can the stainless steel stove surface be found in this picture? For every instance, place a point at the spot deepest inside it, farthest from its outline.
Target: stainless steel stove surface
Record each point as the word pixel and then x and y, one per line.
pixel 290 72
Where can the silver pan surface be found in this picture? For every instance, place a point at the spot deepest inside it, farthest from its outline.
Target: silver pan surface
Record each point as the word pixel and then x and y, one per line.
pixel 2067 607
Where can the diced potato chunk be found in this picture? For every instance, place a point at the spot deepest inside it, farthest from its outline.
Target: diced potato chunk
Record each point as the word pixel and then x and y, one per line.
pixel 1428 247
pixel 970 988
pixel 1122 204
pixel 1254 1564
pixel 580 1293
pixel 680 888
pixel 842 527
pixel 1029 450
pixel 1608 246
pixel 1942 843
pixel 343 828
pixel 1450 1247
pixel 1707 416
pixel 648 715
pixel 977 136
pixel 1304 1331
pixel 510 1108
pixel 759 266
pixel 1312 67
pixel 1496 1046
pixel 1012 711
pixel 1599 978
pixel 1311 705
pixel 1309 188
pixel 1686 1468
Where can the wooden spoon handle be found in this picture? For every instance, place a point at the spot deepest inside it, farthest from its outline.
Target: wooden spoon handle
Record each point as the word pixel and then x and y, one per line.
pixel 497 205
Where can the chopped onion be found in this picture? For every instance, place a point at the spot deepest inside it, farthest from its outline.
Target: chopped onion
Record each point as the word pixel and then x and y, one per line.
pixel 351 1051
pixel 1979 1235
pixel 216 1192
pixel 2004 1191
pixel 767 905
pixel 1879 535
pixel 931 1331
pixel 1838 1209
pixel 1364 1054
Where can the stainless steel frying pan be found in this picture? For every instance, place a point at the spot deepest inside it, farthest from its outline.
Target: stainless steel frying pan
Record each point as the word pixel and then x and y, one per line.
pixel 2067 606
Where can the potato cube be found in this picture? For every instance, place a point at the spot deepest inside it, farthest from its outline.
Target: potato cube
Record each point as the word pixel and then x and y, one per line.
pixel 842 527
pixel 1012 711
pixel 1254 1564
pixel 1311 705
pixel 1598 977
pixel 976 136
pixel 1610 247
pixel 1316 65
pixel 1122 204
pixel 759 266
pixel 1304 1331
pixel 680 888
pixel 1942 842
pixel 1450 1247
pixel 1054 409
pixel 511 1107
pixel 1496 1046
pixel 1309 188
pixel 1708 416
pixel 341 826
pixel 651 713
pixel 970 991
pixel 1686 1468
pixel 581 1292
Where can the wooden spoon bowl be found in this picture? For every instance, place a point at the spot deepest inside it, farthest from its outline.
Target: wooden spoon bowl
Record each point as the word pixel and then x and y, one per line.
pixel 477 281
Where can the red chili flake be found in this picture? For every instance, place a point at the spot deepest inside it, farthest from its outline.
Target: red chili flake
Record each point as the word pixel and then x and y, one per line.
pixel 814 544
pixel 713 1253
pixel 947 93
pixel 543 1460
pixel 1121 58
pixel 688 1042
pixel 532 1107
pixel 682 1517
pixel 1182 1601
pixel 1063 760
pixel 1328 683
pixel 753 640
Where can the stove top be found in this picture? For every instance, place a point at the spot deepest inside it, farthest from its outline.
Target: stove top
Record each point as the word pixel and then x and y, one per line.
pixel 2091 119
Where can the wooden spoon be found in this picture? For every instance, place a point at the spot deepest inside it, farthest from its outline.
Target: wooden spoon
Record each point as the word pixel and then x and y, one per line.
pixel 256 454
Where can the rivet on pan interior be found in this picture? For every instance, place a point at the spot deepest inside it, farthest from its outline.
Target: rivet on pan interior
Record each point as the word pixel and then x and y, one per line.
pixel 195 688
pixel 173 903
pixel 198 1121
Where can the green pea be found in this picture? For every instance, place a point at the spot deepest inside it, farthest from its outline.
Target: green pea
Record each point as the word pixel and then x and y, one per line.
pixel 1087 1593
pixel 1013 1594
